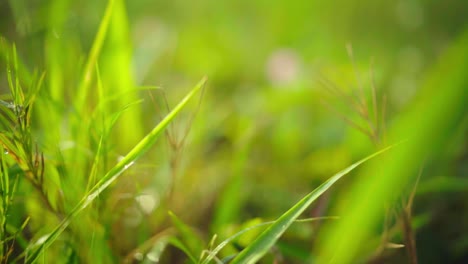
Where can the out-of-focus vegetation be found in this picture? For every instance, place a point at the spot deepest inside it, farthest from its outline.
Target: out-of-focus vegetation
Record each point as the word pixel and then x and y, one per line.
pixel 296 92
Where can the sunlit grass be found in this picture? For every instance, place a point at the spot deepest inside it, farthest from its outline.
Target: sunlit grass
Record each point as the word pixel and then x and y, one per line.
pixel 85 176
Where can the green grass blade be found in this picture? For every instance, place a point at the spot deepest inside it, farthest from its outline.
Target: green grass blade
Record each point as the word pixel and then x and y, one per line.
pixel 5 198
pixel 113 174
pixel 178 244
pixel 81 109
pixel 93 56
pixel 232 196
pixel 221 245
pixel 192 240
pixel 116 56
pixel 56 53
pixel 96 163
pixel 5 48
pixel 268 238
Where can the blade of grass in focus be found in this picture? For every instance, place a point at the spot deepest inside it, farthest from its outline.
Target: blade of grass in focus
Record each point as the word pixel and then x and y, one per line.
pixel 113 174
pixel 268 238
pixel 212 253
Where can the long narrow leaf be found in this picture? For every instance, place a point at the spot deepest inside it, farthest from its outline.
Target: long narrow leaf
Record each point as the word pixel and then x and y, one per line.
pixel 113 174
pixel 268 238
pixel 212 253
pixel 188 236
pixel 117 57
pixel 93 56
pixel 178 244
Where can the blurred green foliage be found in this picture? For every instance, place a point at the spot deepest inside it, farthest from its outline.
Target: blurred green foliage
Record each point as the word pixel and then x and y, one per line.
pixel 268 130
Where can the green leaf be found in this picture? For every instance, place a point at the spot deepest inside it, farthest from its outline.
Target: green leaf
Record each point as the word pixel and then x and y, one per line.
pixel 5 48
pixel 116 56
pixel 268 238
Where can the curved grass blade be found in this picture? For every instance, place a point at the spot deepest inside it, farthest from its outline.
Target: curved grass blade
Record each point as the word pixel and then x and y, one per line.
pixel 212 254
pixel 178 244
pixel 268 238
pixel 93 56
pixel 190 237
pixel 113 174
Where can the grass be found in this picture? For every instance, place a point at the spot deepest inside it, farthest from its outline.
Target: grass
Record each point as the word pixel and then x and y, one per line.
pixel 267 239
pixel 402 167
pixel 96 167
pixel 17 141
pixel 125 163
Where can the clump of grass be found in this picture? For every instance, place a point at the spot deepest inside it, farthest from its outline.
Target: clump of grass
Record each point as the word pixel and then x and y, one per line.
pixel 383 181
pixel 373 116
pixel 265 241
pixel 70 134
pixel 126 162
pixel 20 156
pixel 69 178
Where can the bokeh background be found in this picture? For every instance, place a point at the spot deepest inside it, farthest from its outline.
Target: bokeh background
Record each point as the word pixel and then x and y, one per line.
pixel 266 131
